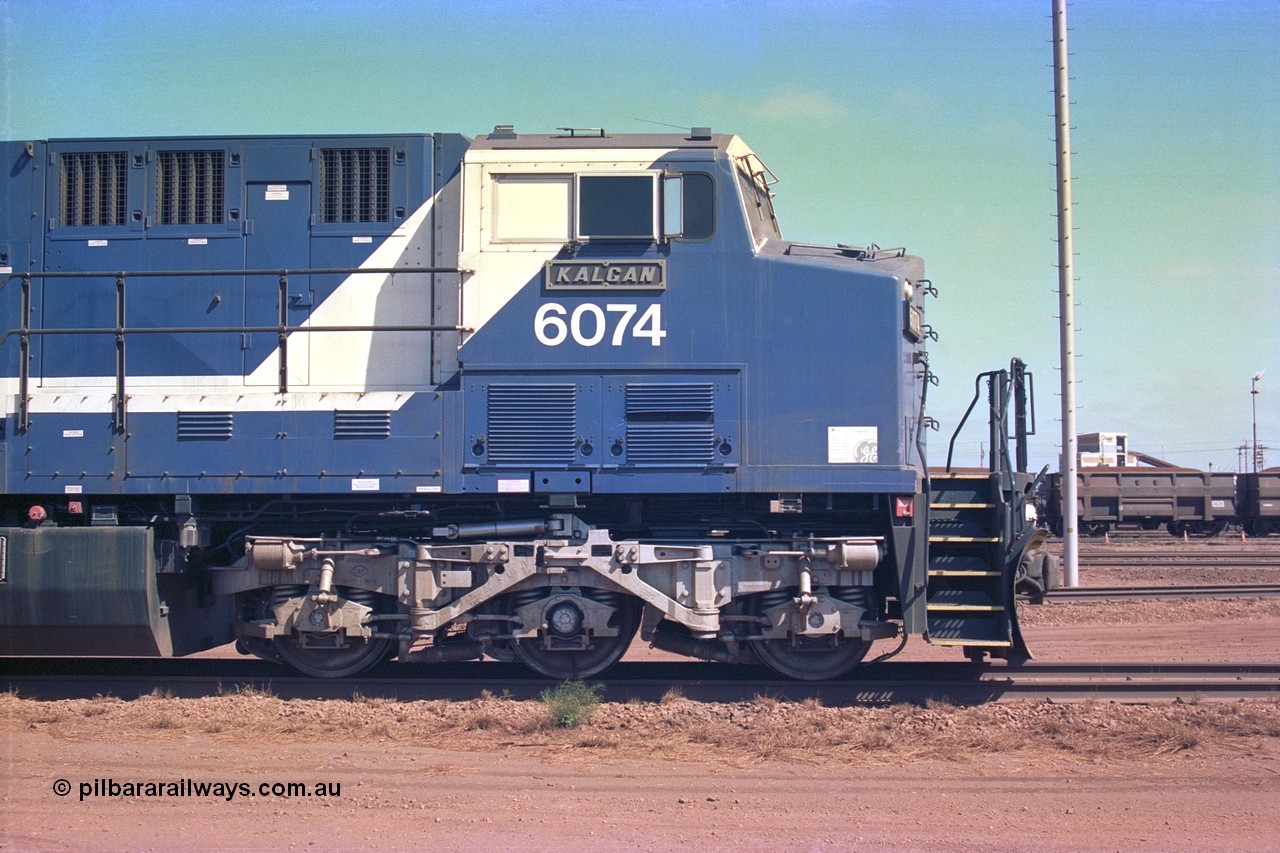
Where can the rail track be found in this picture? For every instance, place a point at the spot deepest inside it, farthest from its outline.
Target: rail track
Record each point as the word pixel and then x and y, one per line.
pixel 1152 550
pixel 877 684
pixel 1180 556
pixel 1129 593
pixel 1161 537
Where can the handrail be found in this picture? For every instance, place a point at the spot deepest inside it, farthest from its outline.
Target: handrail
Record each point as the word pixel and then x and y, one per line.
pixel 977 390
pixel 230 272
pixel 121 331
pixel 1004 387
pixel 196 330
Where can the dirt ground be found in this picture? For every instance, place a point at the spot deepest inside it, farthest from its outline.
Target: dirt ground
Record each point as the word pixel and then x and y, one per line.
pixel 496 774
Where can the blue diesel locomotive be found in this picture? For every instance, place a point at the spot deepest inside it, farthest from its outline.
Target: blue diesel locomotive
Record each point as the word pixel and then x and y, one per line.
pixel 341 399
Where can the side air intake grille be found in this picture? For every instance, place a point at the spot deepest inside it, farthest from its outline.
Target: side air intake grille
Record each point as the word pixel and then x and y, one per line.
pixel 355 184
pixel 348 425
pixel 95 189
pixel 670 424
pixel 204 426
pixel 532 424
pixel 190 187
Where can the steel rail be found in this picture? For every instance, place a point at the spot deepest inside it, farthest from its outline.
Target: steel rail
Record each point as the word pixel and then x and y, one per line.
pixel 1124 593
pixel 879 684
pixel 1175 560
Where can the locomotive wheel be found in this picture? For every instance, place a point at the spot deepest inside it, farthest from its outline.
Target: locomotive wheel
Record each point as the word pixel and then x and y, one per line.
pixel 566 664
pixel 346 657
pixel 353 659
pixel 811 658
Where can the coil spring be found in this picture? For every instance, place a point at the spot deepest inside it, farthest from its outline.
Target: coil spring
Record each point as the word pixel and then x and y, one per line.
pixel 607 597
pixel 281 594
pixel 854 595
pixel 521 597
pixel 363 597
pixel 775 597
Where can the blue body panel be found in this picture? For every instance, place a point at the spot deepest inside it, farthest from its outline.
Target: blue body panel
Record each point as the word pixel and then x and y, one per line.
pixel 799 342
pixel 766 349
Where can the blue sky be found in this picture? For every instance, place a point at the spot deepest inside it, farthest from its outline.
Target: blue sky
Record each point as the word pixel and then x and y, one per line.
pixel 924 124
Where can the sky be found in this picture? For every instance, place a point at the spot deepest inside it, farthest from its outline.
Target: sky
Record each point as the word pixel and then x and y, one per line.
pixel 919 123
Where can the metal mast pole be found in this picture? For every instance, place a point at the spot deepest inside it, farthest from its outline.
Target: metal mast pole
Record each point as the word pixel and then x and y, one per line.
pixel 1253 396
pixel 1066 299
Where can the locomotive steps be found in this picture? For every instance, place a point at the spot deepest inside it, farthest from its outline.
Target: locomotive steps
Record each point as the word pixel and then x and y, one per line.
pixel 967 602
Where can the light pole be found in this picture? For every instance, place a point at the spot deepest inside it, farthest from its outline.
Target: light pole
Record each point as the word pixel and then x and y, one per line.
pixel 1066 300
pixel 1253 395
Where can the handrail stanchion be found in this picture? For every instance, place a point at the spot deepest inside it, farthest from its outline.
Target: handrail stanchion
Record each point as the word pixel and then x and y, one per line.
pixel 119 422
pixel 24 357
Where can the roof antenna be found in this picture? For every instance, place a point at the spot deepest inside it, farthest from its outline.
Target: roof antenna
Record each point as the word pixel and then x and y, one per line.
pixel 662 123
pixel 698 133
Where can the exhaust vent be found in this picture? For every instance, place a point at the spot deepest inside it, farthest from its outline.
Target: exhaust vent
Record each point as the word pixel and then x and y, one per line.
pixel 94 189
pixel 355 184
pixel 348 425
pixel 670 424
pixel 190 187
pixel 204 426
pixel 532 424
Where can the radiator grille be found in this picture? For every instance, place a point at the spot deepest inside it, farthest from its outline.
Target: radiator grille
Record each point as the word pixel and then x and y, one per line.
pixel 670 424
pixel 347 425
pixel 190 187
pixel 205 426
pixel 95 189
pixel 532 424
pixel 670 401
pixel 355 184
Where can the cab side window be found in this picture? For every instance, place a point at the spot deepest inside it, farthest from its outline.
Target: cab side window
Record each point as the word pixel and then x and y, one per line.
pixel 689 209
pixel 698 200
pixel 617 207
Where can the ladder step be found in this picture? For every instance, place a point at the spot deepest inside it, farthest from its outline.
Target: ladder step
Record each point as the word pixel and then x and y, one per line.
pixel 964 608
pixel 968 599
pixel 962 573
pixel 959 562
pixel 965 628
pixel 963 506
pixel 986 540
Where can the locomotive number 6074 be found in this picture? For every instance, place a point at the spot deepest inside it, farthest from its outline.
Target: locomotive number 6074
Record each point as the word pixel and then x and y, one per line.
pixel 589 324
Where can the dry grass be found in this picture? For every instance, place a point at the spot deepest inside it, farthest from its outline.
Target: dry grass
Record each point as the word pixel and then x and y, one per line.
pixel 672 694
pixel 741 733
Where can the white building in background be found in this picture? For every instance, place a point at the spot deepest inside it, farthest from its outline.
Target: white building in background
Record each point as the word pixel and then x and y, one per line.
pixel 1105 449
